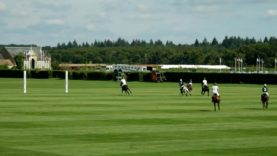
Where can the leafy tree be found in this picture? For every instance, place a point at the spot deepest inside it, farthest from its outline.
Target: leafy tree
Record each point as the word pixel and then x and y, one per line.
pixel 159 43
pixel 196 43
pixel 142 52
pixel 69 44
pixel 74 44
pixel 205 42
pixel 19 60
pixel 214 42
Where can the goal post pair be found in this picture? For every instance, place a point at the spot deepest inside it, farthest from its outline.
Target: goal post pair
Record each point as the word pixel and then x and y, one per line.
pixel 25 82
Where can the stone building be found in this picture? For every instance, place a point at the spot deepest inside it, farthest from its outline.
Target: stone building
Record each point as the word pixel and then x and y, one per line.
pixel 34 57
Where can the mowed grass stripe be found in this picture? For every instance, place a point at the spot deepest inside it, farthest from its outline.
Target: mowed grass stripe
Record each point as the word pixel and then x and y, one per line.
pixel 170 146
pixel 135 137
pixel 96 119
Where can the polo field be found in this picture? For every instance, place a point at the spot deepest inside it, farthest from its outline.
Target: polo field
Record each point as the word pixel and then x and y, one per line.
pixel 95 118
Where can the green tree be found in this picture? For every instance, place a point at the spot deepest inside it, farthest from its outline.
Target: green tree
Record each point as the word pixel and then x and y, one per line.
pixel 19 60
pixel 214 42
pixel 74 44
pixel 196 43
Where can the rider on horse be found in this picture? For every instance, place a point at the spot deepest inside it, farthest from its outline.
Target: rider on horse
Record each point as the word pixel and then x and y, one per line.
pixel 265 97
pixel 183 88
pixel 216 97
pixel 124 86
pixel 265 90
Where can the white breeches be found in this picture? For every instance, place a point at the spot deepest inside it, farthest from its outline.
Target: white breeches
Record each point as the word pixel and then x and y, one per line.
pixel 215 92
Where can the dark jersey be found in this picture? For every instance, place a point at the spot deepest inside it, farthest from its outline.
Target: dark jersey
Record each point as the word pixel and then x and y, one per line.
pixel 264 89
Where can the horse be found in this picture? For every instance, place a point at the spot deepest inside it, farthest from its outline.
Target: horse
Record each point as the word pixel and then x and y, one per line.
pixel 205 89
pixel 189 87
pixel 264 99
pixel 126 90
pixel 216 101
pixel 185 90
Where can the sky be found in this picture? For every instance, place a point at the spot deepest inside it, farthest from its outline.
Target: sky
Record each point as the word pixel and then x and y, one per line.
pixel 48 22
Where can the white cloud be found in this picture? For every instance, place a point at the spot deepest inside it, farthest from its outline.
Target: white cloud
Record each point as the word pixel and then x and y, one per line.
pixel 141 8
pixel 3 6
pixel 206 8
pixel 55 22
pixel 272 12
pixel 91 27
pixel 177 20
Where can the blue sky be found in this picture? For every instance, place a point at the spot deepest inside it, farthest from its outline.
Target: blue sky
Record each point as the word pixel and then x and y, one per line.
pixel 47 22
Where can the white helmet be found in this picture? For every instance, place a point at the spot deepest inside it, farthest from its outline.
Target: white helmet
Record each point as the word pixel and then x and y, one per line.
pixel 265 85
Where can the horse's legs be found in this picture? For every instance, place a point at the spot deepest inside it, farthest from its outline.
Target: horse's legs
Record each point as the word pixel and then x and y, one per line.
pixel 266 104
pixel 129 90
pixel 187 92
pixel 214 106
pixel 218 104
pixel 124 90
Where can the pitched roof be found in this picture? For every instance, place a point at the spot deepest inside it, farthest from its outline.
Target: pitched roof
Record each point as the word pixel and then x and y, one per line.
pixel 13 51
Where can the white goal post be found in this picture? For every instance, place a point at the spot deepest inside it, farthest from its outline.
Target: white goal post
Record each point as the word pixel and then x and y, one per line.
pixel 25 81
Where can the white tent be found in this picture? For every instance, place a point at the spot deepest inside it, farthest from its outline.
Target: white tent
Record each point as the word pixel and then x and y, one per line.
pixel 185 66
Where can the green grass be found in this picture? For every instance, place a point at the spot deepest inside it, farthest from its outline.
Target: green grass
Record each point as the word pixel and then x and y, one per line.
pixel 96 119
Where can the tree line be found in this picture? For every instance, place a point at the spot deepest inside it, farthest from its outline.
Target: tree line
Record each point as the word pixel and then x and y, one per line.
pixel 158 52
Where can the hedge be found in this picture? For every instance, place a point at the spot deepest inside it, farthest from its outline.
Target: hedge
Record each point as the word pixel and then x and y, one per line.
pixel 222 77
pixel 58 74
pixel 5 73
pixel 99 76
pixel 145 76
pixel 39 74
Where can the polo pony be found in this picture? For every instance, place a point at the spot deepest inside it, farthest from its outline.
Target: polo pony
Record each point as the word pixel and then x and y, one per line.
pixel 216 101
pixel 205 89
pixel 265 99
pixel 185 90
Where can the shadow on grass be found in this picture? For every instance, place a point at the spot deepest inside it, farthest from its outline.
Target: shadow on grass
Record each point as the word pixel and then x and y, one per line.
pixel 254 108
pixel 20 152
pixel 206 110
